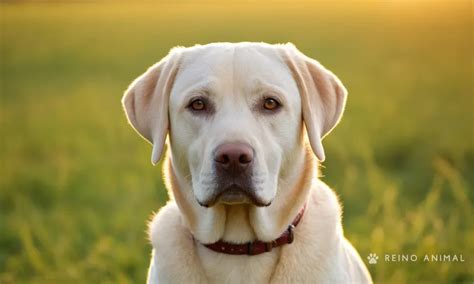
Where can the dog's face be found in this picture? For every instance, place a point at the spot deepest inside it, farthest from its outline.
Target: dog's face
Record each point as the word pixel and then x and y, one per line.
pixel 234 114
pixel 235 123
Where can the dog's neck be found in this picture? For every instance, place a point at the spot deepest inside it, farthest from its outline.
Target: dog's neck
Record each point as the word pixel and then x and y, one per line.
pixel 242 223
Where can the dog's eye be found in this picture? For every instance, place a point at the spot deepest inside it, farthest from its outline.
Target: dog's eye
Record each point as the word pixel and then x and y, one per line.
pixel 271 104
pixel 197 105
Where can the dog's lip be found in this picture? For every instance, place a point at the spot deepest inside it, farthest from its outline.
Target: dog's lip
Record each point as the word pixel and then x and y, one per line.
pixel 235 194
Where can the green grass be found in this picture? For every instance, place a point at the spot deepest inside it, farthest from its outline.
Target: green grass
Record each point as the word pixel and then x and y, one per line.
pixel 76 184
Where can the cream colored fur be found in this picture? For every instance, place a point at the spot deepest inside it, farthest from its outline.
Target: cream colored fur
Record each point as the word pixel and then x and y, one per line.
pixel 236 77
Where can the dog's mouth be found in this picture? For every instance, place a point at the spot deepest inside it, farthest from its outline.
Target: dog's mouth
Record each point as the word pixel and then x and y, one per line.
pixel 234 194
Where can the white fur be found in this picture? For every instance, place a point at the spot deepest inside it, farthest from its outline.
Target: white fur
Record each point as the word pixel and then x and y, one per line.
pixel 319 254
pixel 236 78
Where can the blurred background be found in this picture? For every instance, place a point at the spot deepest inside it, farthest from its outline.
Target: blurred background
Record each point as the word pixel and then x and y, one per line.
pixel 76 183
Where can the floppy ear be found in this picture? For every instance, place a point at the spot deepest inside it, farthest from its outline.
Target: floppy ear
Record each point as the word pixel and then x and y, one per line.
pixel 146 102
pixel 323 96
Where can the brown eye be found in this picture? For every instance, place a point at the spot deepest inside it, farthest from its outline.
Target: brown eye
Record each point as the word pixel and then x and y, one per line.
pixel 271 104
pixel 197 105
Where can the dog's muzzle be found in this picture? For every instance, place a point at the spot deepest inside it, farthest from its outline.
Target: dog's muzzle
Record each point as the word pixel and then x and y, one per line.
pixel 233 165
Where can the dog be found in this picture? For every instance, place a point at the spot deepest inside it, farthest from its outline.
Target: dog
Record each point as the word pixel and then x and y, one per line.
pixel 244 123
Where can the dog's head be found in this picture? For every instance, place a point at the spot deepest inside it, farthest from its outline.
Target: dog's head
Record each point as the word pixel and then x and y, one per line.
pixel 234 114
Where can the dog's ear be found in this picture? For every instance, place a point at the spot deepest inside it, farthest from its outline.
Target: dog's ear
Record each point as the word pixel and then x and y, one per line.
pixel 323 96
pixel 146 102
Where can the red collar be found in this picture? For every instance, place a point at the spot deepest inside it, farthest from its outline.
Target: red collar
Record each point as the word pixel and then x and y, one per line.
pixel 257 247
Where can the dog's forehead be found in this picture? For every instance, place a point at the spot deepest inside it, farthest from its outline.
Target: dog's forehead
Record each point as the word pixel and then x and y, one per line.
pixel 237 66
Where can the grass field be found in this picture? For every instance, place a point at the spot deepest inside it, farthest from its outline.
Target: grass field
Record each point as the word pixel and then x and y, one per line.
pixel 76 184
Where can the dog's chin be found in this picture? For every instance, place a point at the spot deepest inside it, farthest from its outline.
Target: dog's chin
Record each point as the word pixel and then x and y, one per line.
pixel 234 195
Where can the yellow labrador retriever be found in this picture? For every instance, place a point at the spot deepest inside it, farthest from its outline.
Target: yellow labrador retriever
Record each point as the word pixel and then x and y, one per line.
pixel 244 121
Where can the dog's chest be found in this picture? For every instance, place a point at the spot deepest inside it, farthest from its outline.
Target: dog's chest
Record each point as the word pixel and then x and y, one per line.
pixel 225 268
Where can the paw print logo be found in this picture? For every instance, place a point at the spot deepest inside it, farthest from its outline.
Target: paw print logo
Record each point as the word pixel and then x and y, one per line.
pixel 372 258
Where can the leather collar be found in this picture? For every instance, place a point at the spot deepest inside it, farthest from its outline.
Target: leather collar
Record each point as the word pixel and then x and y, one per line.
pixel 257 247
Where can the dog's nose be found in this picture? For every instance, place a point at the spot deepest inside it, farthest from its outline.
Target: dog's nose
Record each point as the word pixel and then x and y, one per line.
pixel 233 157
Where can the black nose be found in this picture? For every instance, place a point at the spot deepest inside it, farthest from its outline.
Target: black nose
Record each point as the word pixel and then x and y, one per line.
pixel 233 158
